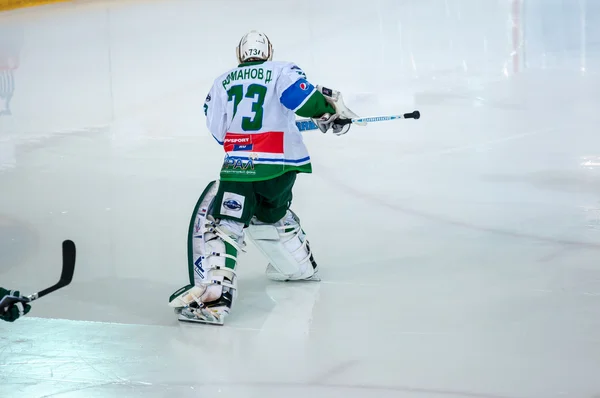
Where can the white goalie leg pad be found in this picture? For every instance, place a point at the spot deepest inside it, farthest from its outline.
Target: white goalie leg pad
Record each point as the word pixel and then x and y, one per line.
pixel 215 248
pixel 286 247
pixel 214 292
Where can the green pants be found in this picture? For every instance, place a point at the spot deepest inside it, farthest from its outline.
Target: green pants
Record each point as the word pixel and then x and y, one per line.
pixel 268 200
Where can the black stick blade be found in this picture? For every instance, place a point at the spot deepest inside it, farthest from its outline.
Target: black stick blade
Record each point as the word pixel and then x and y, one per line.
pixel 68 269
pixel 69 253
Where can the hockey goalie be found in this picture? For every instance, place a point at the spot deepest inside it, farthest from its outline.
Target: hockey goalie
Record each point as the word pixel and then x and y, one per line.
pixel 251 112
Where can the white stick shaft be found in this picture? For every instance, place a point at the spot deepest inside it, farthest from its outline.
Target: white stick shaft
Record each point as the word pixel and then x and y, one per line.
pixel 308 124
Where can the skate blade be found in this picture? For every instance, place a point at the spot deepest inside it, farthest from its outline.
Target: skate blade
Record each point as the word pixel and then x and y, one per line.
pixel 218 322
pixel 313 278
pixel 281 278
pixel 205 316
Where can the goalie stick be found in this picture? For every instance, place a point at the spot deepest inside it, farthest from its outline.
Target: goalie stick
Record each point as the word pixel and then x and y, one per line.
pixel 308 124
pixel 66 276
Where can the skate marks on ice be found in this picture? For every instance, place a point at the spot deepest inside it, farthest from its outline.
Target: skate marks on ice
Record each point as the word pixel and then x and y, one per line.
pixel 61 358
pixel 327 174
pixel 335 371
pixel 556 181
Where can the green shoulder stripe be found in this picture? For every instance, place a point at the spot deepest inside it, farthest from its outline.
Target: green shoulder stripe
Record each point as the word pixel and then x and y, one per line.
pixel 315 106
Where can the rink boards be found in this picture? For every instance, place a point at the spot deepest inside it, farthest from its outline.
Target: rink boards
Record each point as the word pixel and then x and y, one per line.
pixel 6 5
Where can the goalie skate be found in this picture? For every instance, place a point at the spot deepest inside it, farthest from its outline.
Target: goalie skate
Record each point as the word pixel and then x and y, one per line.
pixel 212 313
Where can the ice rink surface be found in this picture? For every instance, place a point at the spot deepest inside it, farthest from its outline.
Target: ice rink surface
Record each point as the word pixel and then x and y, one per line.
pixel 460 253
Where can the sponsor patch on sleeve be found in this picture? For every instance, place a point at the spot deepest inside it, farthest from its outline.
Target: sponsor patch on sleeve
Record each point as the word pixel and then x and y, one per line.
pixel 293 97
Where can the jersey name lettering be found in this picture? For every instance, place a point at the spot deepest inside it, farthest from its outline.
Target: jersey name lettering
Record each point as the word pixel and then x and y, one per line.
pixel 246 74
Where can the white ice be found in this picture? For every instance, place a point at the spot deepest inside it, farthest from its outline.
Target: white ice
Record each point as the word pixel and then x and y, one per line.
pixel 460 253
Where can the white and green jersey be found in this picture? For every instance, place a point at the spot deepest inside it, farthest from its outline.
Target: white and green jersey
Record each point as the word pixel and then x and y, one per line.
pixel 251 111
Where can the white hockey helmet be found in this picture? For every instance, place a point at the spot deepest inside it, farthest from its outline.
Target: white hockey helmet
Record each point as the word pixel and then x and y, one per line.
pixel 254 46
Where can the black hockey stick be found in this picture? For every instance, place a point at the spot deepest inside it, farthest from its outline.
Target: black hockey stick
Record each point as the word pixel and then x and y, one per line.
pixel 66 276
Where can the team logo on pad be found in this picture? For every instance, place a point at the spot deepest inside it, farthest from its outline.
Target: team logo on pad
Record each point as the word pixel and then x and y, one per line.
pixel 232 205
